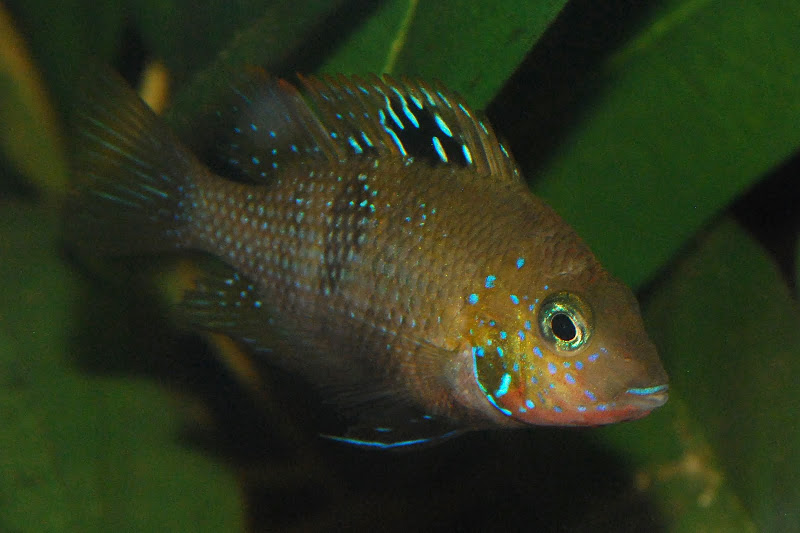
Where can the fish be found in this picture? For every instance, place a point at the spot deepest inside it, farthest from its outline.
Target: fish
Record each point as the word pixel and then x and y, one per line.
pixel 373 236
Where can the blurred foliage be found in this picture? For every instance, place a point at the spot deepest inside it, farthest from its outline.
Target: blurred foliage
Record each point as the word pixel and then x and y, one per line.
pixel 641 122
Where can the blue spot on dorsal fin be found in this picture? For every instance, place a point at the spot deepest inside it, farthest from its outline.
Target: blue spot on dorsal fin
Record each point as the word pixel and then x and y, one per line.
pixel 410 118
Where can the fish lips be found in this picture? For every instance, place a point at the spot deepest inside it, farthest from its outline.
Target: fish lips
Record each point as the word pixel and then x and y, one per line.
pixel 646 398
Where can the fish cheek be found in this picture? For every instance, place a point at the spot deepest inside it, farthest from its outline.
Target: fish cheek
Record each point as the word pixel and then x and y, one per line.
pixel 498 374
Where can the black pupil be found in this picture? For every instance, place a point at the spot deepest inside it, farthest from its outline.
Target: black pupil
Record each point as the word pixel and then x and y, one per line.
pixel 563 328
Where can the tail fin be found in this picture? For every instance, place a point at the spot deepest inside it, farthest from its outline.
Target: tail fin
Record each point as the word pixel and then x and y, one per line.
pixel 131 176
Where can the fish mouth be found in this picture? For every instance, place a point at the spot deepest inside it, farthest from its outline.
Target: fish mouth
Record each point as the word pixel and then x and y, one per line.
pixel 647 398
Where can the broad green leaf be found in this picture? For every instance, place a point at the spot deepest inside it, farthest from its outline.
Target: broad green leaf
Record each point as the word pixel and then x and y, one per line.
pixel 65 36
pixel 83 452
pixel 797 267
pixel 171 28
pixel 477 47
pixel 473 47
pixel 699 104
pixel 726 325
pixel 265 39
pixel 28 119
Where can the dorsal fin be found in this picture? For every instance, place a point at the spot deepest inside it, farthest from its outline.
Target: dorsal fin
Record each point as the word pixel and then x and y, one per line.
pixel 410 119
pixel 267 124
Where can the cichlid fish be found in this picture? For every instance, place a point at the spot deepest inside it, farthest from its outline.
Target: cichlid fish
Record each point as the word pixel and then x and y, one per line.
pixel 380 241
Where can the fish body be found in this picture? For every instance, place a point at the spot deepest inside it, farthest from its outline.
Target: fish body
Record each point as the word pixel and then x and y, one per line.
pixel 380 242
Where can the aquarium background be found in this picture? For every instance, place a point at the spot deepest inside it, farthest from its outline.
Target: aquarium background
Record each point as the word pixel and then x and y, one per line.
pixel 666 132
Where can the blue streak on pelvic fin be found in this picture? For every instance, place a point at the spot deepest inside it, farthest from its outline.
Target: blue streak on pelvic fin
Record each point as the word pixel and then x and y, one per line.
pixel 388 445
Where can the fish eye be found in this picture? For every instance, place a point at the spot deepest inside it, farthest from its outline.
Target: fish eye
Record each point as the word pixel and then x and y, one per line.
pixel 563 327
pixel 565 320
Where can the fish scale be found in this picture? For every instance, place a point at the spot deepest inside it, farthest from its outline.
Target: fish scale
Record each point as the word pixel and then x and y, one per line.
pixel 382 245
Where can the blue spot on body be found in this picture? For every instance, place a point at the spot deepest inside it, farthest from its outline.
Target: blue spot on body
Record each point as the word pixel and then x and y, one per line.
pixel 551 368
pixel 567 364
pixel 503 334
pixel 537 351
pixel 590 395
pixel 602 407
pixel 557 409
pixel 581 408
pixel 492 323
pixel 490 282
pixel 478 351
pixel 514 299
pixel 473 299
pixel 516 367
pixel 505 381
pixel 579 365
pixel 546 287
pixel 527 324
pixel 521 335
pixel 530 404
pixel 520 262
pixel 534 380
pixel 569 378
pixel 592 358
pixel 500 351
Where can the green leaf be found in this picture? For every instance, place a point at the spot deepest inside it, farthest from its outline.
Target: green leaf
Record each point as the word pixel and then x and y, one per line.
pixel 699 104
pixel 65 36
pixel 266 38
pixel 29 123
pixel 724 450
pixel 477 44
pixel 83 452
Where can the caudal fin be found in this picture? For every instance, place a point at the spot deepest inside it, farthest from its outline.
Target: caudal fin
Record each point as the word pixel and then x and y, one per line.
pixel 131 177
